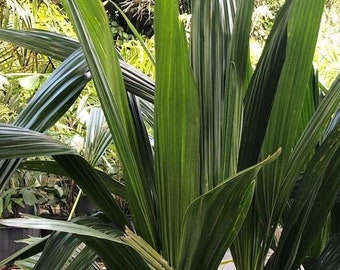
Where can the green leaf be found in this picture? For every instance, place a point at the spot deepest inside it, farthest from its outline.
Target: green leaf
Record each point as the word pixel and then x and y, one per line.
pixel 60 47
pixel 95 233
pixel 88 18
pixel 261 91
pixel 248 249
pixel 293 36
pixel 17 142
pixel 63 226
pixel 330 257
pixel 176 127
pixel 46 166
pixel 125 257
pixel 56 95
pixel 28 196
pixel 57 46
pixel 84 258
pixel 219 57
pixel 302 30
pixel 98 137
pixel 30 82
pixel 49 103
pixel 237 75
pixel 59 249
pixel 213 220
pixel 311 102
pixel 92 185
pixel 311 136
pixel 17 201
pixel 316 194
pixel 151 256
pixel 1 206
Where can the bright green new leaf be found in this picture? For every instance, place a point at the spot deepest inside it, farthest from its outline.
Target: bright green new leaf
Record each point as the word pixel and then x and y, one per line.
pixel 176 128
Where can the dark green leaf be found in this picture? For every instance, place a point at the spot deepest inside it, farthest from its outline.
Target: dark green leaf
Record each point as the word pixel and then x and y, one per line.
pixel 316 194
pixel 330 257
pixel 16 142
pixel 59 249
pixel 90 182
pixel 84 258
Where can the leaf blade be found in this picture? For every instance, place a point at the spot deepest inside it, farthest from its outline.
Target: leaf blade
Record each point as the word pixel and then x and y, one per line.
pixel 205 224
pixel 176 127
pixel 101 57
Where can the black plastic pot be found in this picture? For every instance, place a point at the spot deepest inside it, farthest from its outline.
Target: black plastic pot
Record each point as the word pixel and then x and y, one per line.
pixel 8 236
pixel 85 207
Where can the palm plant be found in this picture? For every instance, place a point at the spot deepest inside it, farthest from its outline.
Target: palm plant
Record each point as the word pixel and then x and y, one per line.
pixel 231 144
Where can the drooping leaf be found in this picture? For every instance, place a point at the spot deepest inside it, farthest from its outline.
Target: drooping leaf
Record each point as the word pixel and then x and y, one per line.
pixel 17 142
pixel 92 185
pixel 49 103
pixel 98 235
pixel 53 44
pixel 62 226
pixel 56 95
pixel 124 256
pixel 87 18
pixel 60 47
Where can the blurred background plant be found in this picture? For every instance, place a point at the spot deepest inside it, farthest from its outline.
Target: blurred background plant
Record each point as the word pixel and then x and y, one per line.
pixel 25 14
pixel 327 57
pixel 327 54
pixel 22 72
pixel 140 13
